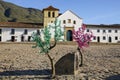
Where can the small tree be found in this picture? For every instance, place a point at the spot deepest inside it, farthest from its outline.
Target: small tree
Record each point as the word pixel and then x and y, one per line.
pixel 44 43
pixel 82 39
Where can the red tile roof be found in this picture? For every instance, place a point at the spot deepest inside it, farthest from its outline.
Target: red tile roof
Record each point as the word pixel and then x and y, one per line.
pixel 50 8
pixel 20 25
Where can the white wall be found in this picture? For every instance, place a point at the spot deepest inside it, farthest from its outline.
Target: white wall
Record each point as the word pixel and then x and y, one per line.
pixel 106 34
pixel 6 34
pixel 70 15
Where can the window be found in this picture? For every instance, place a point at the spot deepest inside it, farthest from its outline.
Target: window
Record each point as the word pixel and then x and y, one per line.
pixel 104 31
pixel 49 14
pixel 25 31
pixel 87 30
pixel 109 31
pixel 38 32
pixel 0 31
pixel 12 31
pixel 98 30
pixel 69 20
pixel 116 38
pixel 53 14
pixel 116 31
pixel 104 38
pixel 74 22
pixel 94 38
pixel 64 21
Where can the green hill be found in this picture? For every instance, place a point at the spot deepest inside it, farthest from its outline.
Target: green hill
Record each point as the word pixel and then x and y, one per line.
pixel 12 13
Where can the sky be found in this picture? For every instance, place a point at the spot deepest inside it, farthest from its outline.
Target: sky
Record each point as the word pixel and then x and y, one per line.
pixel 91 11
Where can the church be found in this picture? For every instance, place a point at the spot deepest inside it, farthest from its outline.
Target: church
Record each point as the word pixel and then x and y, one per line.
pixel 21 32
pixel 69 21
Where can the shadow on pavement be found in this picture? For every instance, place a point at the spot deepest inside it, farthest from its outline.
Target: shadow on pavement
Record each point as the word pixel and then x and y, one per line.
pixel 114 77
pixel 25 72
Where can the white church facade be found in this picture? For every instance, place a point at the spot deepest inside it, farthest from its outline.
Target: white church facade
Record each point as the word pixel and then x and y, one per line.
pixel 69 22
pixel 20 32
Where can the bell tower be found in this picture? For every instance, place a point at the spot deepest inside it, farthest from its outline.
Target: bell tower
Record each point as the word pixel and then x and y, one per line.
pixel 50 14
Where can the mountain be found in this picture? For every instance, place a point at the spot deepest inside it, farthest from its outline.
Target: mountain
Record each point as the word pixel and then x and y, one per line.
pixel 12 13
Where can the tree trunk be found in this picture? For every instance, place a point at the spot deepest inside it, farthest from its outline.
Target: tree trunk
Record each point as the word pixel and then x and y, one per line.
pixel 81 62
pixel 52 66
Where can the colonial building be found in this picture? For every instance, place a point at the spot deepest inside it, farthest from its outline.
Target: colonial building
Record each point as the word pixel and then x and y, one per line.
pixel 69 21
pixel 17 32
pixel 105 33
pixel 14 31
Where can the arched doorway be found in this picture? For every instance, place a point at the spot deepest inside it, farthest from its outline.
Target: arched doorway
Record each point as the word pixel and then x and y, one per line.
pixel 110 39
pixel 12 38
pixel 98 39
pixel 69 35
pixel 29 37
pixel 0 38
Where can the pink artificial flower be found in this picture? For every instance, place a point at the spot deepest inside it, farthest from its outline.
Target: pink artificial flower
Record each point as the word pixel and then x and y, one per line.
pixel 81 37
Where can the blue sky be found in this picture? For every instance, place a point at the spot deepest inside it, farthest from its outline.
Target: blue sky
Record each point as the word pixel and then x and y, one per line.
pixel 92 11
